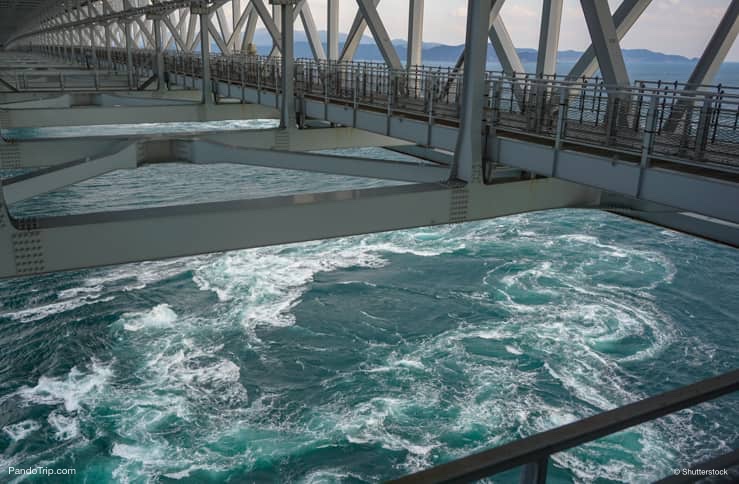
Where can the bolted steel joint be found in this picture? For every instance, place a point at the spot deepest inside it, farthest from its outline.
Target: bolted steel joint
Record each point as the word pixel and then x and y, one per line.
pixel 199 7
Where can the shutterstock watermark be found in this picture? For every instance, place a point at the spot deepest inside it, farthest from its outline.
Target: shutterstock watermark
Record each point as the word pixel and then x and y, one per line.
pixel 40 471
pixel 701 472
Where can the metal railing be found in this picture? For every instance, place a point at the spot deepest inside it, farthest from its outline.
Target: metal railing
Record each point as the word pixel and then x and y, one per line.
pixel 662 123
pixel 533 453
pixel 648 121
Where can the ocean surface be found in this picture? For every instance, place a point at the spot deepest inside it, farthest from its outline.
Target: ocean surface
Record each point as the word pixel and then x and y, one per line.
pixel 363 358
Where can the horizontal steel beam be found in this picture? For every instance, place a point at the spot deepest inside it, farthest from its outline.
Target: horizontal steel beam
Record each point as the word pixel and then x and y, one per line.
pixel 686 222
pixel 37 118
pixel 709 196
pixel 37 152
pixel 126 14
pixel 50 244
pixel 203 152
pixel 36 183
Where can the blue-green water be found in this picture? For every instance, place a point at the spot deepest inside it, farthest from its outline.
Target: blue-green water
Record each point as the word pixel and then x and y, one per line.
pixel 363 358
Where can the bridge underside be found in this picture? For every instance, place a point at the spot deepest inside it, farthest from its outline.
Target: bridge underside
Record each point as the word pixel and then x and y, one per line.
pixel 483 144
pixel 520 175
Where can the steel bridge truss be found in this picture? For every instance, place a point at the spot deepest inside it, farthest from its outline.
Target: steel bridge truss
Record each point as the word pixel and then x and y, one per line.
pixel 531 122
pixel 489 143
pixel 231 25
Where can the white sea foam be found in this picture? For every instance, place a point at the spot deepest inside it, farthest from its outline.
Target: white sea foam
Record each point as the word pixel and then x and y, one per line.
pixel 37 313
pixel 21 430
pixel 160 316
pixel 372 421
pixel 329 476
pixel 72 391
pixel 266 284
pixel 183 371
pixel 65 427
pixel 513 350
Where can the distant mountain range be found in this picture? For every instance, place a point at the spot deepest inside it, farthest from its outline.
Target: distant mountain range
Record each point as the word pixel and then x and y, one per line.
pixel 435 52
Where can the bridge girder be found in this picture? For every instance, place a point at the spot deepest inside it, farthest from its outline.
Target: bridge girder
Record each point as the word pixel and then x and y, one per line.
pixel 577 178
pixel 96 24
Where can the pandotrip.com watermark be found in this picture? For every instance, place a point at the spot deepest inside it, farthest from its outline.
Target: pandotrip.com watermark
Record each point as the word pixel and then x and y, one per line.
pixel 40 471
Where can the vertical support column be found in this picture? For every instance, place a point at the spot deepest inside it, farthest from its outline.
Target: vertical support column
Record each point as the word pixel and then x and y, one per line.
pixel 333 30
pixel 108 45
pixel 128 30
pixel 415 33
pixel 78 14
pixel 93 53
pixel 551 21
pixel 277 17
pixel 467 164
pixel 201 9
pixel 68 43
pixel 287 111
pixel 80 47
pixel 605 42
pixel 158 50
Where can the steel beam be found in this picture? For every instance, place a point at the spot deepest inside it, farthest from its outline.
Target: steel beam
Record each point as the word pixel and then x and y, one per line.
pixel 551 22
pixel 719 45
pixel 354 38
pixel 33 184
pixel 132 82
pixel 605 42
pixel 686 222
pixel 108 45
pixel 502 44
pixel 100 239
pixel 468 153
pixel 624 18
pixel 191 29
pixel 93 53
pixel 504 48
pixel 287 111
pixel 332 29
pixel 243 19
pixel 251 27
pixel 277 17
pixel 156 113
pixel 204 152
pixel 42 153
pixel 207 95
pixel 415 33
pixel 309 25
pixel 268 22
pixel 174 31
pixel 709 64
pixel 158 53
pixel 223 25
pixel 220 41
pixel 382 38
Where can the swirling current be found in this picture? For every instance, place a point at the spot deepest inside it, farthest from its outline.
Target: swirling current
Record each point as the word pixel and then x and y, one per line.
pixel 363 358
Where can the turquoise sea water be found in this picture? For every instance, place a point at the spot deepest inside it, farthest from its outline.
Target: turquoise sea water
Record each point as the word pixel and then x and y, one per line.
pixel 363 358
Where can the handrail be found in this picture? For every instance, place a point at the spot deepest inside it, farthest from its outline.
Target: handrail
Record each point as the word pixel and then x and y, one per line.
pixel 538 448
pixel 699 126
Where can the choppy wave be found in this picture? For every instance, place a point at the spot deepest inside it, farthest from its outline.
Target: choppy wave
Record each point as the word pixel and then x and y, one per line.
pixel 364 358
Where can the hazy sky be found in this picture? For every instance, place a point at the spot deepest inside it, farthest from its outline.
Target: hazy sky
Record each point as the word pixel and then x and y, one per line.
pixel 671 26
